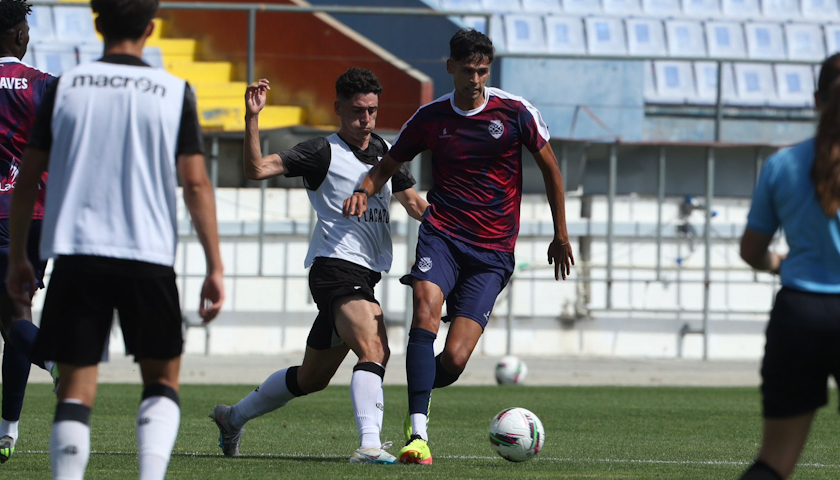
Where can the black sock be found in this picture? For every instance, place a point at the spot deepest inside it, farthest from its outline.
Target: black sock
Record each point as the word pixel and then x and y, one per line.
pixel 761 471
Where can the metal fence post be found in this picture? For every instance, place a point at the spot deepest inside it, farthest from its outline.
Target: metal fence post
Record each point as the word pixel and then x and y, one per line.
pixel 707 239
pixel 660 199
pixel 214 161
pixel 610 218
pixel 252 43
pixel 719 101
pixel 263 187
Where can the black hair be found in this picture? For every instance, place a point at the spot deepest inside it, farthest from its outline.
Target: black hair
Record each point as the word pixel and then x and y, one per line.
pixel 469 44
pixel 13 13
pixel 356 80
pixel 826 170
pixel 124 19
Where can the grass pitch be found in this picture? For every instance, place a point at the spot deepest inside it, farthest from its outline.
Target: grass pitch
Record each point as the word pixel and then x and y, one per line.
pixel 591 433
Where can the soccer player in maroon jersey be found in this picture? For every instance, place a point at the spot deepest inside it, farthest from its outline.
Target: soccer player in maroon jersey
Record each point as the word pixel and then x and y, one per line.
pixel 21 90
pixel 466 243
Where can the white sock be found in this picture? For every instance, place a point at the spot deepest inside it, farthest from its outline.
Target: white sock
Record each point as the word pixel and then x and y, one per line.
pixel 69 445
pixel 418 425
pixel 268 397
pixel 157 429
pixel 368 406
pixel 9 428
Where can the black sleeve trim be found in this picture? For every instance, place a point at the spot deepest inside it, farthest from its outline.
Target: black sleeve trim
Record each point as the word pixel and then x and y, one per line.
pixel 190 139
pixel 310 160
pixel 403 179
pixel 41 136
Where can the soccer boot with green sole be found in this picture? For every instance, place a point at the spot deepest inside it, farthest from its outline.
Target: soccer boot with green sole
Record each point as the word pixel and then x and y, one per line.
pixel 228 436
pixel 374 456
pixel 416 450
pixel 7 448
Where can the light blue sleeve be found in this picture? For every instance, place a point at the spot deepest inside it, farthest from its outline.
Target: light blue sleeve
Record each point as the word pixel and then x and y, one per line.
pixel 762 217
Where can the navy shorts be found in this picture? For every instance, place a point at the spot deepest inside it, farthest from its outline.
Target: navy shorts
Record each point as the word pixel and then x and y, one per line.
pixel 470 277
pixel 32 252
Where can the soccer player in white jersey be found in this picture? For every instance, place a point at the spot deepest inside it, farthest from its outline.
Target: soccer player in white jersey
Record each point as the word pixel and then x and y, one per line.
pixel 346 257
pixel 116 134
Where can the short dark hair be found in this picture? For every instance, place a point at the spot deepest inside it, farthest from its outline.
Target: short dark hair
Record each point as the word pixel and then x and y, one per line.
pixel 124 19
pixel 356 80
pixel 13 13
pixel 470 44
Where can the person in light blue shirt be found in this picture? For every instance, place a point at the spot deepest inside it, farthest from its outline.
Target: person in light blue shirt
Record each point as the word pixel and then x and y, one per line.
pixel 798 191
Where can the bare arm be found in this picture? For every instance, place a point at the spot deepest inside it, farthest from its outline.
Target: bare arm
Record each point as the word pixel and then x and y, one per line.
pixel 755 251
pixel 560 250
pixel 198 196
pixel 256 166
pixel 372 183
pixel 413 203
pixel 20 281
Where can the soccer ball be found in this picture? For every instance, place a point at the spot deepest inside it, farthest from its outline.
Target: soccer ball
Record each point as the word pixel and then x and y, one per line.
pixel 511 371
pixel 517 434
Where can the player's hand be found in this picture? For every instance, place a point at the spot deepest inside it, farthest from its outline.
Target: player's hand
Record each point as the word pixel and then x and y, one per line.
pixel 255 97
pixel 212 297
pixel 356 205
pixel 560 254
pixel 21 282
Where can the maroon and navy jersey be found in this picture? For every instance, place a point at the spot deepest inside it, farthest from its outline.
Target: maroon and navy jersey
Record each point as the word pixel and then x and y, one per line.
pixel 21 90
pixel 476 164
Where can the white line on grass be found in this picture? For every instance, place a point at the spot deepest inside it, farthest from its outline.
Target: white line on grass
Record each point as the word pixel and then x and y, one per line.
pixel 292 456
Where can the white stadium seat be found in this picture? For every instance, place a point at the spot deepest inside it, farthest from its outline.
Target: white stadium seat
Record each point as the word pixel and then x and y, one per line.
pixel 88 52
pixel 605 36
pixel 705 77
pixel 702 8
pixel 524 33
pixel 565 34
pixel 782 9
pixel 41 24
pixel 622 7
pixel 754 84
pixel 674 82
pixel 726 39
pixel 794 86
pixel 804 41
pixel 741 8
pixel 685 38
pixel 765 40
pixel 74 24
pixel 544 6
pixel 582 6
pixel 502 6
pixel 832 38
pixel 461 5
pixel 54 58
pixel 645 37
pixel 662 7
pixel 819 9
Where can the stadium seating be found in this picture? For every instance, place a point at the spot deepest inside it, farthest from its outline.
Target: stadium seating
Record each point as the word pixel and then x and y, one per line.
pixel 646 37
pixel 565 35
pixel 605 36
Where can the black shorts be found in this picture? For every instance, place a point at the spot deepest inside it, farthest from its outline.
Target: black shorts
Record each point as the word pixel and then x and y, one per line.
pixel 329 280
pixel 802 350
pixel 79 309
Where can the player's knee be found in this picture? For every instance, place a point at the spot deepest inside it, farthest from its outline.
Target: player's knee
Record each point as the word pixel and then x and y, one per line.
pixel 313 384
pixel 454 361
pixel 427 316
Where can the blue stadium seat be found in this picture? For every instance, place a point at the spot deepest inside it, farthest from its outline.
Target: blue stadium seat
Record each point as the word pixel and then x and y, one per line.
pixel 153 56
pixel 726 39
pixel 705 77
pixel 544 6
pixel 795 86
pixel 740 8
pixel 832 38
pixel 702 8
pixel 41 24
pixel 54 58
pixel 662 7
pixel 765 40
pixel 754 84
pixel 804 41
pixel 781 9
pixel 685 38
pixel 645 37
pixel 74 24
pixel 524 33
pixel 565 34
pixel 461 5
pixel 89 52
pixel 622 7
pixel 674 82
pixel 502 6
pixel 819 9
pixel 582 6
pixel 605 36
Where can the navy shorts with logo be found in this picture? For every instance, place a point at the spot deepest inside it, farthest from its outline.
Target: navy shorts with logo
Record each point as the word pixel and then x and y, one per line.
pixel 470 277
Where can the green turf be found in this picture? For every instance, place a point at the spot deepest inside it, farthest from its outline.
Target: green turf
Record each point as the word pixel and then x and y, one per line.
pixel 591 432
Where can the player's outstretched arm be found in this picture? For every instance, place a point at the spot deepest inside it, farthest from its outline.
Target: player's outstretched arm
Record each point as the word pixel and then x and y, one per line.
pixel 20 278
pixel 560 250
pixel 198 195
pixel 356 204
pixel 413 203
pixel 256 166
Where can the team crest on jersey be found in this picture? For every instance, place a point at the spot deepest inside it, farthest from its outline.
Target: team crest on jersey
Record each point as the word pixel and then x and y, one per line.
pixel 496 129
pixel 425 264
